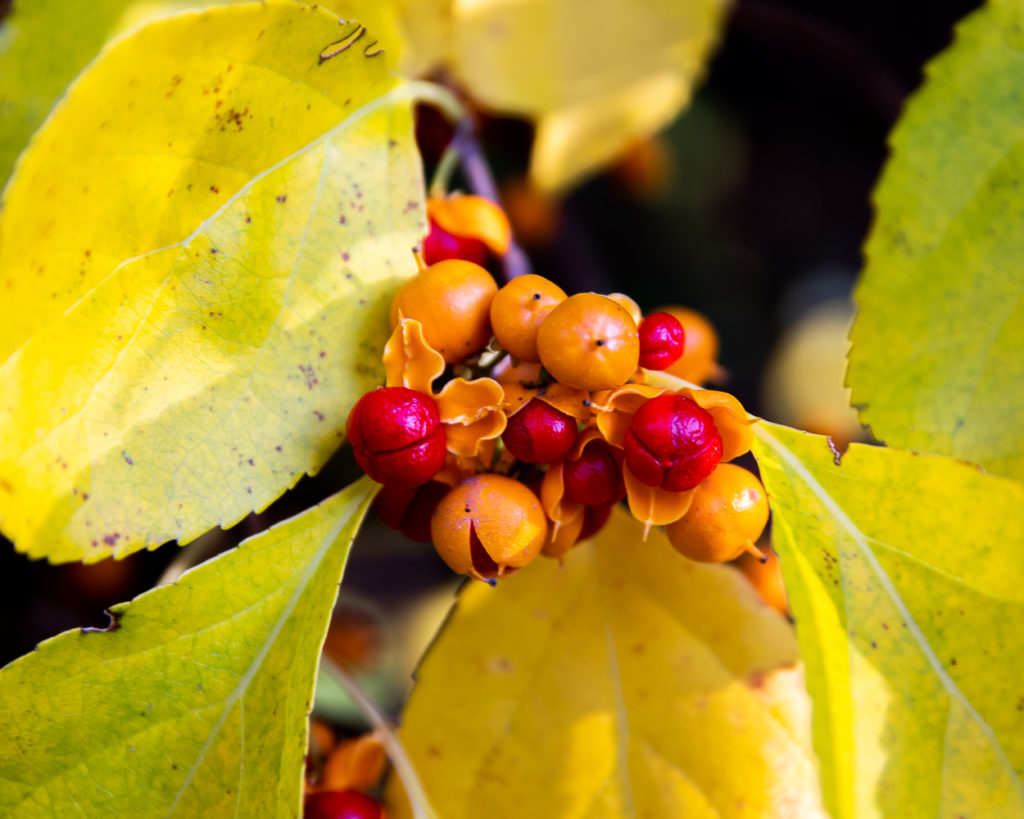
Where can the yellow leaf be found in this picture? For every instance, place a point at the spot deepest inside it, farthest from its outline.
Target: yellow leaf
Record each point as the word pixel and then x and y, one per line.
pixel 629 682
pixel 33 76
pixel 197 253
pixel 905 576
pixel 595 75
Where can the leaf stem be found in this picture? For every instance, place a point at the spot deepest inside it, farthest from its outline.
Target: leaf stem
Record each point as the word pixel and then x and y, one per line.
pixel 400 761
pixel 440 97
pixel 441 182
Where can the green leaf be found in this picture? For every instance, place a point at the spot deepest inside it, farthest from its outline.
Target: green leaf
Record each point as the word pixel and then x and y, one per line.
pixel 197 254
pixel 628 682
pixel 905 577
pixel 936 348
pixel 197 702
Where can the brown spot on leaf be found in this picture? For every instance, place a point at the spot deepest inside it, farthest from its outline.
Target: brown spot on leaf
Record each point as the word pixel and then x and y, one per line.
pixel 309 375
pixel 500 665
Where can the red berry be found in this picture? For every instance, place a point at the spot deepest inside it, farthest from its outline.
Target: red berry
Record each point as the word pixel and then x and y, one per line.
pixel 662 340
pixel 348 804
pixel 441 245
pixel 539 433
pixel 408 509
pixel 595 478
pixel 672 443
pixel 397 437
pixel 594 519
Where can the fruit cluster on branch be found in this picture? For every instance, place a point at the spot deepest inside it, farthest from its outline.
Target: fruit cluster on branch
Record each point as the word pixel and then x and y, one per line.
pixel 514 418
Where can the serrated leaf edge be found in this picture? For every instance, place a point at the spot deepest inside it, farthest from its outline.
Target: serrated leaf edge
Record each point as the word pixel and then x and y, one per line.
pixel 363 492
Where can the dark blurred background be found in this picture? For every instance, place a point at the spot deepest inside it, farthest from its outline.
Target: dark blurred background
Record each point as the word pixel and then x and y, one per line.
pixel 751 208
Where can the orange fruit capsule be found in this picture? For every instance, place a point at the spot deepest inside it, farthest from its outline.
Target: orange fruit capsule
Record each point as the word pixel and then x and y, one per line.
pixel 589 342
pixel 467 218
pixel 698 361
pixel 489 526
pixel 727 515
pixel 452 300
pixel 518 310
pixel 766 577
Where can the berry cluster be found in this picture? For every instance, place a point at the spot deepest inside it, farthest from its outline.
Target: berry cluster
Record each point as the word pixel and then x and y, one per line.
pixel 513 419
pixel 339 774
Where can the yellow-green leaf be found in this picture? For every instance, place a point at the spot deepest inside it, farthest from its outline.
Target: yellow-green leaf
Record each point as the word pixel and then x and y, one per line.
pixel 196 255
pixel 628 682
pixel 936 358
pixel 196 703
pixel 905 576
pixel 595 76
pixel 40 54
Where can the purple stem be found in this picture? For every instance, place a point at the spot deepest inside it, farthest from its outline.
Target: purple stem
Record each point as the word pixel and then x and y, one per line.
pixel 481 182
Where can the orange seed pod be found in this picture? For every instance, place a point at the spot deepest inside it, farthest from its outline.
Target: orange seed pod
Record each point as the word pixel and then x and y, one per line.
pixel 727 515
pixel 589 342
pixel 697 364
pixel 355 763
pixel 517 311
pixel 766 577
pixel 488 526
pixel 452 300
pixel 472 217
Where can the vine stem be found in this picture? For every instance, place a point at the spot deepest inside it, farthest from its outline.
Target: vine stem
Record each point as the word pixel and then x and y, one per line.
pixel 465 149
pixel 400 761
pixel 480 180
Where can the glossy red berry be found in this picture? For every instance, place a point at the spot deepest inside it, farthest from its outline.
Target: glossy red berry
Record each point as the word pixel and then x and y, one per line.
pixel 408 509
pixel 539 433
pixel 347 804
pixel 595 478
pixel 594 519
pixel 397 437
pixel 662 340
pixel 672 443
pixel 441 245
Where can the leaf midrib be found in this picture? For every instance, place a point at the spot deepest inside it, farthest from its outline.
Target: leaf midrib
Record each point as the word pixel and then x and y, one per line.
pixel 344 519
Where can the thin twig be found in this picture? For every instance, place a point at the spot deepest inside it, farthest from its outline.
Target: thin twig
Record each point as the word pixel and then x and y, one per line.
pixel 481 182
pixel 400 761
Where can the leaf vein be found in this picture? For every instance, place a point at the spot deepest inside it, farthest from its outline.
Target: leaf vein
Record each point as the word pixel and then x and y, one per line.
pixel 861 541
